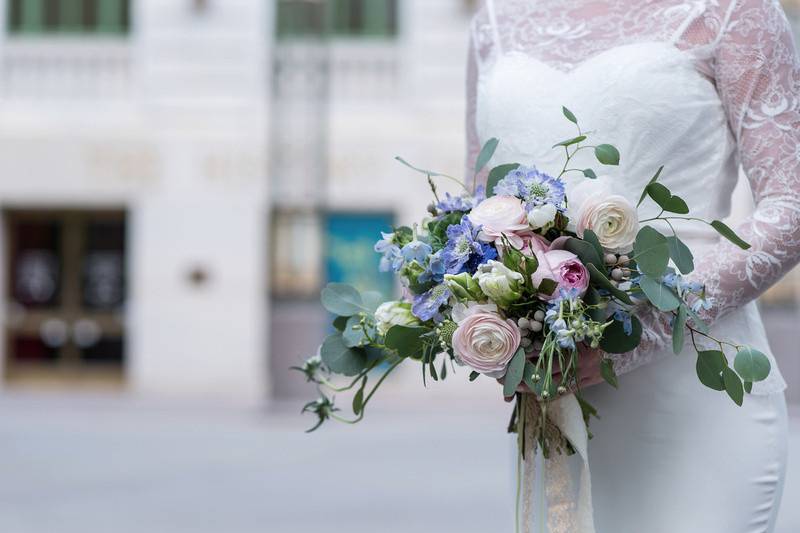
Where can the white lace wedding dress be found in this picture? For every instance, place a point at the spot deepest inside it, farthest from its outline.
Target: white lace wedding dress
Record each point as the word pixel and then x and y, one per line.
pixel 702 87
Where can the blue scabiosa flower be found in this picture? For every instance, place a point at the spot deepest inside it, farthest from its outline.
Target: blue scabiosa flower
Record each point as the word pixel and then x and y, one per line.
pixel 453 204
pixel 426 306
pixel 392 258
pixel 533 187
pixel 463 252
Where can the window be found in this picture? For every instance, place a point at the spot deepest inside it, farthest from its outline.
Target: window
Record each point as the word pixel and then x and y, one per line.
pixel 38 17
pixel 345 18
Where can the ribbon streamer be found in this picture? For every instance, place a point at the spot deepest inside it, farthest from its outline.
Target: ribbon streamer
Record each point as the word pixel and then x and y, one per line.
pixel 550 502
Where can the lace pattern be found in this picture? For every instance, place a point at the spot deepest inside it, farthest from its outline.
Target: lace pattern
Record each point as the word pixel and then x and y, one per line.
pixel 746 48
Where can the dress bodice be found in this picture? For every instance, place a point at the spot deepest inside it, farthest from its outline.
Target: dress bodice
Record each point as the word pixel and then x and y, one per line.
pixel 699 86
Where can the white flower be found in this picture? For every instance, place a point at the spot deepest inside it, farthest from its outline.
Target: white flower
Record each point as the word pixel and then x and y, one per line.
pixel 612 217
pixel 542 215
pixel 498 282
pixel 394 314
pixel 500 216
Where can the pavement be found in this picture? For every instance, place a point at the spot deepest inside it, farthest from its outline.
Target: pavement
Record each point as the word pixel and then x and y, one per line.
pixel 100 464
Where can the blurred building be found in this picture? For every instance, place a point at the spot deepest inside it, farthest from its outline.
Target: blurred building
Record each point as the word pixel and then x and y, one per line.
pixel 134 194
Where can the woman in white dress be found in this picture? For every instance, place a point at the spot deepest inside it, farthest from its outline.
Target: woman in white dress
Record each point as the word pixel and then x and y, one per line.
pixel 702 87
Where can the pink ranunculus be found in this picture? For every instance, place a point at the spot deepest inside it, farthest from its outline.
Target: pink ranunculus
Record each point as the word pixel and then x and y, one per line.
pixel 564 268
pixel 531 243
pixel 498 216
pixel 486 343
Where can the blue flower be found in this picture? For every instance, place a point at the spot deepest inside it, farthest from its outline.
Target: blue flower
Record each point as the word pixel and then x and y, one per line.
pixel 463 252
pixel 416 251
pixel 534 187
pixel 426 306
pixel 392 258
pixel 452 204
pixel 625 317
pixel 435 270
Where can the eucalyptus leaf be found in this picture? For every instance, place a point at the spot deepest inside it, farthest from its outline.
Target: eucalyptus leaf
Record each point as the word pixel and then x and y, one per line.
pixel 600 281
pixel 680 254
pixel 474 375
pixel 666 200
pixel 341 359
pixel 733 385
pixel 592 238
pixel 607 154
pixel 748 387
pixel 679 330
pixel 570 142
pixel 751 364
pixel 709 368
pixel 589 173
pixel 585 251
pixel 659 294
pixel 486 154
pixel 371 300
pixel 592 298
pixel 527 376
pixel 729 234
pixel 353 334
pixel 569 114
pixel 496 174
pixel 432 369
pixel 358 399
pixel 608 374
pixel 340 322
pixel 652 180
pixel 406 340
pixel 697 322
pixel 615 340
pixel 342 299
pixel 651 251
pixel 514 373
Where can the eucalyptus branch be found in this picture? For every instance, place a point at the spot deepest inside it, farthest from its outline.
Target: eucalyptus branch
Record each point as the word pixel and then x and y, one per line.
pixel 368 397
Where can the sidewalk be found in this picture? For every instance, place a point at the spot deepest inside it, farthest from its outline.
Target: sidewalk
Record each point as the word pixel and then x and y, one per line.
pixel 110 464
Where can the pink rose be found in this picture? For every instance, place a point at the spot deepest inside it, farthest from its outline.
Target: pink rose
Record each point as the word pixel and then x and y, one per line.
pixel 498 216
pixel 486 343
pixel 564 268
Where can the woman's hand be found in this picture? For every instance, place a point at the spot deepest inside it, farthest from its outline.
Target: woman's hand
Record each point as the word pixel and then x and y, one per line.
pixel 588 370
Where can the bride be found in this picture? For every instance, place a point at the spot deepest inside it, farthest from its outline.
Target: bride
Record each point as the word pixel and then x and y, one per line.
pixel 704 87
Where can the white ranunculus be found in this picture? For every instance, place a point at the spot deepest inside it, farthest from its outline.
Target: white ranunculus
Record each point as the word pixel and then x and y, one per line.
pixel 499 283
pixel 612 217
pixel 394 314
pixel 542 215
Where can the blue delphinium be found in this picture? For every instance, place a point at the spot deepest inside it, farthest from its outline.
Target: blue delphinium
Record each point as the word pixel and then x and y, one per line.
pixel 416 251
pixel 622 315
pixel 463 252
pixel 435 270
pixel 392 258
pixel 453 204
pixel 534 187
pixel 426 306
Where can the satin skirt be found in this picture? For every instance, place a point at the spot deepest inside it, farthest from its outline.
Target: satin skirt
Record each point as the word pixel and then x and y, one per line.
pixel 671 456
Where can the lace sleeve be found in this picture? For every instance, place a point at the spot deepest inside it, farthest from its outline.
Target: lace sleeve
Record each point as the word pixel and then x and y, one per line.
pixel 473 143
pixel 758 78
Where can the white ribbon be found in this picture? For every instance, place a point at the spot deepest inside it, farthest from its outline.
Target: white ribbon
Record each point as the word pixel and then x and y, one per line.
pixel 557 505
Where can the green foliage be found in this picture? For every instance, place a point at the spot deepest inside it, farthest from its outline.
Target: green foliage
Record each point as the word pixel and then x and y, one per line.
pixel 403 235
pixel 680 254
pixel 570 142
pixel 651 251
pixel 586 251
pixel 547 287
pixel 608 374
pixel 679 330
pixel 591 237
pixel 407 341
pixel 659 294
pixel 589 173
pixel 341 359
pixel 358 331
pixel 343 300
pixel 591 299
pixel 652 180
pixel 615 340
pixel 697 322
pixel 666 200
pixel 569 114
pixel 751 364
pixel 474 375
pixel 607 154
pixel 710 364
pixel 340 322
pixel 486 154
pixel 514 373
pixel 733 385
pixel 358 398
pixel 601 281
pixel 496 174
pixel 729 234
pixel 437 229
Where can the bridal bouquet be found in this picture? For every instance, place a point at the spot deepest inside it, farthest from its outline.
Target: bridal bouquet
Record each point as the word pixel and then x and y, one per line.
pixel 515 282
